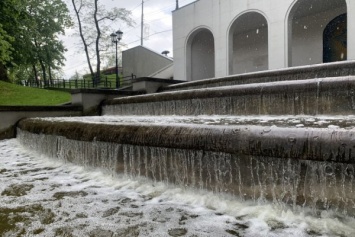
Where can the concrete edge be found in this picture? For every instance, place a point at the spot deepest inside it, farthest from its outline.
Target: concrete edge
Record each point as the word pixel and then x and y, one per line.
pixel 313 70
pixel 316 144
pixel 239 90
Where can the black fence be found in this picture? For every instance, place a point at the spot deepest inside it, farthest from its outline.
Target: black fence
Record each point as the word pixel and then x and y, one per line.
pixel 105 83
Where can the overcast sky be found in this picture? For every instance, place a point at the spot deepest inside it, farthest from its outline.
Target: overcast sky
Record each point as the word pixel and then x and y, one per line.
pixel 158 25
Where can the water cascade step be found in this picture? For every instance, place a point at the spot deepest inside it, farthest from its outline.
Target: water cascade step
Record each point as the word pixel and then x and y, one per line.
pixel 331 96
pixel 291 142
pixel 337 69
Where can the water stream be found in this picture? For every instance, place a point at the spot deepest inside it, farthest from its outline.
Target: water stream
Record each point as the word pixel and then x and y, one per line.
pixel 41 196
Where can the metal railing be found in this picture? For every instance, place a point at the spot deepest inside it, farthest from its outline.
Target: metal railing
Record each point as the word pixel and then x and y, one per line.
pixel 104 83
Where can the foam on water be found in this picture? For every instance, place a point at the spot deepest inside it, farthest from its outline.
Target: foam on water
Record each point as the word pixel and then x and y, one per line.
pixel 45 197
pixel 321 121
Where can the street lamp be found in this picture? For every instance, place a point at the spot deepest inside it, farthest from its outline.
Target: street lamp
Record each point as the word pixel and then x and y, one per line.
pixel 116 37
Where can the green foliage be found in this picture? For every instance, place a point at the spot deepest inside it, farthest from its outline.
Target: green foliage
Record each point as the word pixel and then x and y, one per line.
pixel 5 46
pixel 29 33
pixel 11 94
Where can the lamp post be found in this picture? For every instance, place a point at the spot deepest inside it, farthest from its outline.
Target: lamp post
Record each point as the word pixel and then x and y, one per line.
pixel 116 37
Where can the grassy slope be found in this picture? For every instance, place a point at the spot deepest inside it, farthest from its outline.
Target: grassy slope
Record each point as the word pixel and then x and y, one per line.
pixel 11 94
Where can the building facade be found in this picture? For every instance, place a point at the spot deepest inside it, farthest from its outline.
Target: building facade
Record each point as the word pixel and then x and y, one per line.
pixel 217 38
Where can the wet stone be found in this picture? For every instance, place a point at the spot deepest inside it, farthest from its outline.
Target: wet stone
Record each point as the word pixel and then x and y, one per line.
pixel 81 215
pixel 38 231
pixel 182 220
pixel 132 214
pixel 10 218
pixel 47 216
pixel 30 171
pixel 132 231
pixel 126 200
pixel 64 232
pixel 2 171
pixel 17 190
pixel 110 212
pixel 241 226
pixel 233 232
pixel 170 209
pixel 23 164
pixel 275 225
pixel 177 232
pixel 100 233
pixel 61 195
pixel 161 219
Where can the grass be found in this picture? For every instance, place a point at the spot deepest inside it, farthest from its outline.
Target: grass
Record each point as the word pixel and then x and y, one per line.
pixel 11 94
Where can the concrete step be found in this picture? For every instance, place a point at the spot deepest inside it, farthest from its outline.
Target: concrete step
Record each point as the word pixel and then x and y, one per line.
pixel 337 69
pixel 291 165
pixel 331 144
pixel 326 96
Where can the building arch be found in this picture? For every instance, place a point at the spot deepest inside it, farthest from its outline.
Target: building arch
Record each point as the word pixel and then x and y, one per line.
pixel 248 43
pixel 200 54
pixel 306 22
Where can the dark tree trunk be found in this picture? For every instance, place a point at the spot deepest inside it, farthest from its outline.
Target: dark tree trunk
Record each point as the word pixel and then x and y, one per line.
pixel 43 73
pixel 3 73
pixel 50 75
pixel 77 13
pixel 36 75
pixel 98 36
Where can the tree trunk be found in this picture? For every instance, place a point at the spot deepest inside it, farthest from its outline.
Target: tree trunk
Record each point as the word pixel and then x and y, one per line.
pixel 50 75
pixel 77 13
pixel 43 73
pixel 3 73
pixel 36 75
pixel 98 36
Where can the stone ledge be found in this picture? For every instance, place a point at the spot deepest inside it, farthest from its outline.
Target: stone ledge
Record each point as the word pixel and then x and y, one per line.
pixel 317 144
pixel 293 73
pixel 151 85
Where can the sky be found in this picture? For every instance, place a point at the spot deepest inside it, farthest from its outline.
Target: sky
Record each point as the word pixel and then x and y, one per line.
pixel 157 25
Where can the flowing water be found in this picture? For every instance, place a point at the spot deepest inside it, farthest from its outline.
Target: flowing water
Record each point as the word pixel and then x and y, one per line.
pixel 41 196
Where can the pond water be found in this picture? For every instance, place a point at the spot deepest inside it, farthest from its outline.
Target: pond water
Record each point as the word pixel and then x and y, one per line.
pixel 44 197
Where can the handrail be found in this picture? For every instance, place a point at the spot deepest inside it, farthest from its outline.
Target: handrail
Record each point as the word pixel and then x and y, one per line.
pixel 104 83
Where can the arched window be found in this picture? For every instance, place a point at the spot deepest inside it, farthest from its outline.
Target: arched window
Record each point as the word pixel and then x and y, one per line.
pixel 335 40
pixel 307 33
pixel 200 55
pixel 248 44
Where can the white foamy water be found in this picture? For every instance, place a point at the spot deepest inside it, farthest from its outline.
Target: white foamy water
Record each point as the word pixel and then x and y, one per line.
pixel 44 197
pixel 322 121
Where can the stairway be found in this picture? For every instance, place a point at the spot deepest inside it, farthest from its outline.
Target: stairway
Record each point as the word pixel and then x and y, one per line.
pixel 286 141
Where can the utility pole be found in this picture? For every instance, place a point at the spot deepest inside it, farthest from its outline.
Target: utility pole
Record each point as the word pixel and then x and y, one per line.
pixel 142 23
pixel 177 4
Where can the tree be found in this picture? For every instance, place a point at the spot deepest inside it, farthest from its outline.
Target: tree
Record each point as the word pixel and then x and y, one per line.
pixel 47 19
pixel 9 14
pixel 94 30
pixel 32 28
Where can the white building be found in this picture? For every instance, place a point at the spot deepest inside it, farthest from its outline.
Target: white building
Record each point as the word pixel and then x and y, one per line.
pixel 216 38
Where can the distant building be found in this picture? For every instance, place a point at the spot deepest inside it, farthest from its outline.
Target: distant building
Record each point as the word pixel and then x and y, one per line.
pixel 143 62
pixel 215 38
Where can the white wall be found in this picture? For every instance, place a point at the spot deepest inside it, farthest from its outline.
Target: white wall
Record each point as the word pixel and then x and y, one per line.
pixel 219 15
